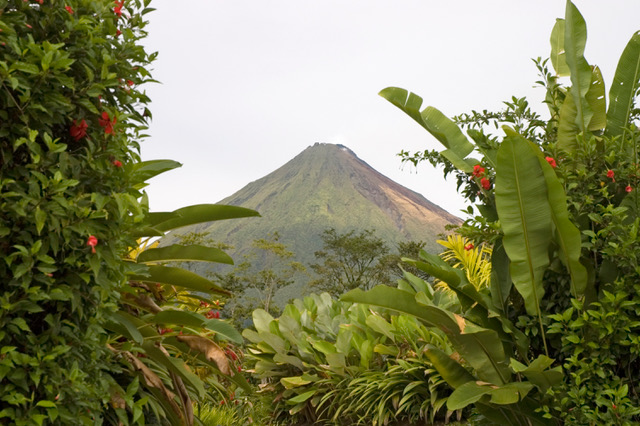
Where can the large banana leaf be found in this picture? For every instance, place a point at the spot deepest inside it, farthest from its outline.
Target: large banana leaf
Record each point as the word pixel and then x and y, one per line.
pixel 178 252
pixel 525 217
pixel 575 39
pixel 450 370
pixel 179 277
pixel 436 123
pixel 597 101
pixel 200 213
pixel 501 283
pixel 558 54
pixel 624 86
pixel 566 234
pixel 480 347
pixel 145 170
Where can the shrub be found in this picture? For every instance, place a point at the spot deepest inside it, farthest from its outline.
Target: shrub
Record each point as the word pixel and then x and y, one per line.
pixel 71 118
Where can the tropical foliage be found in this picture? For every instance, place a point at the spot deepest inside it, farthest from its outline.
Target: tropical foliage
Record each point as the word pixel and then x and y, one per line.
pixel 329 362
pixel 549 340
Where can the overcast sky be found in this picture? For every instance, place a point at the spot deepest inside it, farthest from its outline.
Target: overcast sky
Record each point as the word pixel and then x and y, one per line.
pixel 246 85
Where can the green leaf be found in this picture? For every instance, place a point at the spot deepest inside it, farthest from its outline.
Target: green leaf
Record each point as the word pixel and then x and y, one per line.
pixel 557 49
pixel 122 325
pixel 538 373
pixel 177 317
pixel 179 277
pixel 625 84
pixel 575 39
pixel 178 252
pixel 145 170
pixel 302 397
pixel 201 213
pixel 224 329
pixel 467 394
pixel 451 371
pixel 40 217
pixel 501 282
pixel 597 101
pixel 294 382
pixel 436 123
pixel 566 234
pixel 262 320
pixel 525 217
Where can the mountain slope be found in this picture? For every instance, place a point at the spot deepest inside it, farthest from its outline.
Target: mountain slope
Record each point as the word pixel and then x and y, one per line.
pixel 327 186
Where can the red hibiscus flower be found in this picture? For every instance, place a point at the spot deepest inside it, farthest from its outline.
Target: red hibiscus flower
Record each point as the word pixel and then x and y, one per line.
pixel 469 246
pixel 611 174
pixel 486 183
pixel 628 188
pixel 129 83
pixel 117 163
pixel 551 161
pixel 118 9
pixel 92 241
pixel 478 171
pixel 69 9
pixel 107 123
pixel 78 130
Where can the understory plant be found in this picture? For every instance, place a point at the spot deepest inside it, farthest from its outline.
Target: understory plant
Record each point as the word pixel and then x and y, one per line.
pixel 553 337
pixel 329 362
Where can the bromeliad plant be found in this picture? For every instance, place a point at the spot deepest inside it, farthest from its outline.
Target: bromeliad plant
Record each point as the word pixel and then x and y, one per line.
pixel 551 339
pixel 329 362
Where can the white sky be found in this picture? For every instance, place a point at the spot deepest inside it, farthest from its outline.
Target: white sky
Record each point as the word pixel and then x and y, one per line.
pixel 249 84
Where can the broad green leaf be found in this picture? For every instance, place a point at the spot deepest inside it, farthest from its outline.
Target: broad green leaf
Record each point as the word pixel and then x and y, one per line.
pixel 201 213
pixel 178 252
pixel 597 101
pixel 177 317
pixel 121 324
pixel 302 397
pixel 41 217
pixel 538 372
pixel 466 394
pixel 557 49
pixel 379 324
pixel 625 84
pixel 224 329
pixel 418 284
pixel 450 370
pixel 500 276
pixel 145 170
pixel 525 217
pixel 510 393
pixel 567 128
pixel 294 382
pixel 567 235
pixel 575 39
pixel 436 123
pixel 179 277
pixel 261 320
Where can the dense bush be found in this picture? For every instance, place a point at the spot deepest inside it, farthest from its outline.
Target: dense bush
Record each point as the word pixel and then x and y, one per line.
pixel 71 117
pixel 554 337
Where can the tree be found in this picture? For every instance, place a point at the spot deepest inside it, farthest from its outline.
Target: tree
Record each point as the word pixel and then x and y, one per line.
pixel 351 260
pixel 257 288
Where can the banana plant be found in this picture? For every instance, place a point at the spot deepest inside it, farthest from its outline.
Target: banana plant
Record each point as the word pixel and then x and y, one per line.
pixel 168 328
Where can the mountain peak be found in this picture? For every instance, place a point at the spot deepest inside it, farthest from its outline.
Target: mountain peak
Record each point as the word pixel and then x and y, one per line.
pixel 328 186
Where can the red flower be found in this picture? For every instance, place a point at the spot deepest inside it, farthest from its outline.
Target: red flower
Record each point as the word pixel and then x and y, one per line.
pixel 551 162
pixel 118 33
pixel 469 246
pixel 117 163
pixel 478 170
pixel 93 242
pixel 614 406
pixel 610 174
pixel 129 83
pixel 69 9
pixel 28 26
pixel 204 304
pixel 486 183
pixel 118 9
pixel 107 123
pixel 628 188
pixel 166 330
pixel 212 314
pixel 78 130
